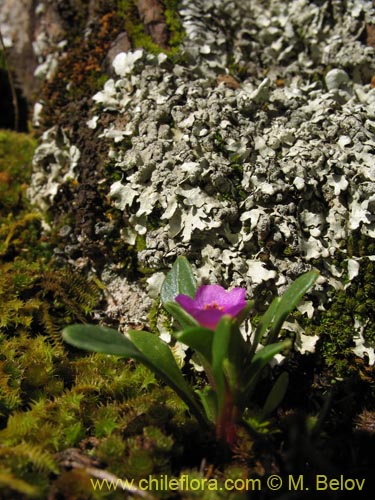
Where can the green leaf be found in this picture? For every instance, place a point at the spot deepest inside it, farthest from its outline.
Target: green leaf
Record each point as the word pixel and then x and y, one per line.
pixel 220 346
pixel 280 308
pixel 276 394
pixel 259 361
pixel 245 311
pixel 237 348
pixel 101 339
pixel 180 279
pixel 209 402
pixel 289 300
pixel 264 324
pixel 160 360
pixel 198 338
pixel 180 315
pixel 264 356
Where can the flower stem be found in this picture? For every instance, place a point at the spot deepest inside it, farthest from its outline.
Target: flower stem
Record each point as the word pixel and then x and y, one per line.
pixel 226 426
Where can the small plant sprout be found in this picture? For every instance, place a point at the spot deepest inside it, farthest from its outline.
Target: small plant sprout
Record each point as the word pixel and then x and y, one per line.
pixel 208 319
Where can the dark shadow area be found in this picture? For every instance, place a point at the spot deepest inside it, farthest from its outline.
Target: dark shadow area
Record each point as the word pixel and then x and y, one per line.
pixel 7 112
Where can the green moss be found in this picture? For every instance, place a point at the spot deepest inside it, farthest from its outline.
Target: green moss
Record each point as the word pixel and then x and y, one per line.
pixel 16 152
pixel 336 325
pixel 288 251
pixel 153 315
pixel 128 11
pixel 346 309
pixel 37 298
pixel 108 399
pixel 20 224
pixel 135 29
pixel 140 243
pixel 106 420
pixel 177 33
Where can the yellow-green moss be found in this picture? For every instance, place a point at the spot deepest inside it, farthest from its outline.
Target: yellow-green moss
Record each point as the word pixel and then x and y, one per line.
pixel 114 402
pixel 172 19
pixel 36 300
pixel 134 27
pixel 16 152
pixel 136 31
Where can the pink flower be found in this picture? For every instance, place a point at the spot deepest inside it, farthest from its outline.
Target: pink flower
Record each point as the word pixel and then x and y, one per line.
pixel 211 302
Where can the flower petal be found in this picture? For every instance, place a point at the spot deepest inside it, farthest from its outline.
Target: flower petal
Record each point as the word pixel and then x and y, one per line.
pixel 211 302
pixel 187 303
pixel 209 318
pixel 206 294
pixel 233 297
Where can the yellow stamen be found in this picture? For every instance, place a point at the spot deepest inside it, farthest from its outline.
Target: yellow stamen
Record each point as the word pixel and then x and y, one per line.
pixel 214 305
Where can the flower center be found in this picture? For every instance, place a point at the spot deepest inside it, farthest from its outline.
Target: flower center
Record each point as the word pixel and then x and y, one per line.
pixel 213 305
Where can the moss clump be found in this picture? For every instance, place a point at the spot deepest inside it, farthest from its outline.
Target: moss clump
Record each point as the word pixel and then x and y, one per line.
pixel 121 421
pixel 136 30
pixel 176 31
pixel 337 325
pixel 16 152
pixel 20 224
pixel 36 299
